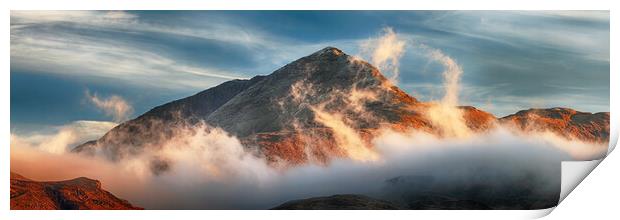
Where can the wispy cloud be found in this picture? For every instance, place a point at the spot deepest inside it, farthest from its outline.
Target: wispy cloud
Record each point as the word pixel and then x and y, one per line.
pixel 385 52
pixel 114 106
pixel 124 21
pixel 64 51
pixel 580 32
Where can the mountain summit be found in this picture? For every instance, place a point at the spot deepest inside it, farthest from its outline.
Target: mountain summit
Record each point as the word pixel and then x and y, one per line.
pixel 305 111
pixel 322 106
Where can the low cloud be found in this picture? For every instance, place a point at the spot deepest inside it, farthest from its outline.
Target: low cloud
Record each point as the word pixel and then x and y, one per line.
pixel 62 138
pixel 113 106
pixel 210 169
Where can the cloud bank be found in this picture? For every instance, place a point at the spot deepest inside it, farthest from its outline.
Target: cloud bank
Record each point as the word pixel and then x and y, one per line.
pixel 212 170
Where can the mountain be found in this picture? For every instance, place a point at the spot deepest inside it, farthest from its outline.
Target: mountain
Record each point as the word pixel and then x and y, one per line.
pixel 160 122
pixel 293 115
pixel 78 193
pixel 565 122
pixel 322 106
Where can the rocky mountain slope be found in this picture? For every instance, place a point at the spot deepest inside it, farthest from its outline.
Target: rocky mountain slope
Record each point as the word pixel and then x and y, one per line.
pixel 322 106
pixel 78 193
pixel 289 115
pixel 161 122
pixel 565 122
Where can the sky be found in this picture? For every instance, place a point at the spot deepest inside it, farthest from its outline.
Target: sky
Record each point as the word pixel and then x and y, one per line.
pixel 68 66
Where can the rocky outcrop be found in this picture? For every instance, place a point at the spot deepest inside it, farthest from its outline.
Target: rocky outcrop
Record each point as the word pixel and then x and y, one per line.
pixel 78 193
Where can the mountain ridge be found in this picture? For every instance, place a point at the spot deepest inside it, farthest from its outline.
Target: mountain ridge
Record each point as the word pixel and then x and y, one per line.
pixel 565 122
pixel 322 106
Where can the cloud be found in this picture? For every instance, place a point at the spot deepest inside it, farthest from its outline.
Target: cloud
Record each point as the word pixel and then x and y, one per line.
pixel 199 158
pixel 124 21
pixel 451 76
pixel 62 138
pixel 445 113
pixel 515 55
pixel 93 18
pixel 114 106
pixel 585 15
pixel 385 52
pixel 43 52
pixel 103 44
pixel 345 136
pixel 581 32
pixel 209 169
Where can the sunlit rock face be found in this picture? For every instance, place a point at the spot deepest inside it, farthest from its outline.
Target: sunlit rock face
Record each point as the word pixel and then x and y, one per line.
pixel 78 193
pixel 566 122
pixel 325 105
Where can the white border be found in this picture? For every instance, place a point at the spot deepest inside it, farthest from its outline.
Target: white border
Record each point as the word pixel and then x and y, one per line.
pixel 279 5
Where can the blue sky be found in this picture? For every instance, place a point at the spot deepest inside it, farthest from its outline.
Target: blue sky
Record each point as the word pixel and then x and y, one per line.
pixel 511 60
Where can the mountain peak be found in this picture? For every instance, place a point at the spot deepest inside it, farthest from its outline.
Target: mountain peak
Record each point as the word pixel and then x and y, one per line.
pixel 328 51
pixel 289 105
pixel 328 64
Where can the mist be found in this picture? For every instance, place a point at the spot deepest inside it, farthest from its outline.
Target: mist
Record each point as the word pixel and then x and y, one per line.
pixel 212 170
